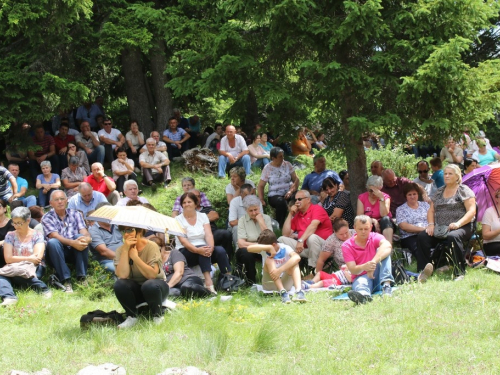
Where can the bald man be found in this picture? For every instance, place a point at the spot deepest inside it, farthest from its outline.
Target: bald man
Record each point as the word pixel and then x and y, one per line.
pixel 393 186
pixel 376 168
pixel 233 151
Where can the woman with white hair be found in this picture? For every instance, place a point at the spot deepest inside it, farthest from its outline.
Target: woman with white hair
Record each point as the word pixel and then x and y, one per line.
pixel 22 245
pixel 376 204
pixel 46 183
pixel 72 176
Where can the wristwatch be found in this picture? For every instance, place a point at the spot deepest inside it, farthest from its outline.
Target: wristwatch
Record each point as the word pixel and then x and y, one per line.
pixel 382 199
pixel 300 240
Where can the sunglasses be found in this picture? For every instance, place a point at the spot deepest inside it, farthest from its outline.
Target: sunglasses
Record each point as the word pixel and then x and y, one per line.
pixel 107 123
pixel 128 230
pixel 300 199
pixel 370 190
pixel 426 171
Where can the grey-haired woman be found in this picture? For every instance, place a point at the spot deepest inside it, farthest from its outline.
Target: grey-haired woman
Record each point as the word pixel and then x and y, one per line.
pixel 22 245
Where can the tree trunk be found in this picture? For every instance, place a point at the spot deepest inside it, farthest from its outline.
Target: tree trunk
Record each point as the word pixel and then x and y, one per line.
pixel 356 166
pixel 252 113
pixel 135 87
pixel 163 95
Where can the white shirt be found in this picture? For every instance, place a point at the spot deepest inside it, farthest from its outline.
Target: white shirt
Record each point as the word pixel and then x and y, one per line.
pixel 490 218
pixel 195 233
pixel 239 146
pixel 113 135
pixel 430 189
pixel 116 166
pixel 210 138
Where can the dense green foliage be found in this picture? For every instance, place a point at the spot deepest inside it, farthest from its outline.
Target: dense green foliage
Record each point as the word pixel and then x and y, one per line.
pixel 418 69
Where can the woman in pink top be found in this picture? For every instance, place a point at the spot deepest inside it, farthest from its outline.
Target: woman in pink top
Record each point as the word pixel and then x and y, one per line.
pixel 258 157
pixel 376 204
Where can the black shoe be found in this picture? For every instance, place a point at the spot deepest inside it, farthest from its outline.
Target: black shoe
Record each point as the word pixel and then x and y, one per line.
pixel 358 298
pixel 146 184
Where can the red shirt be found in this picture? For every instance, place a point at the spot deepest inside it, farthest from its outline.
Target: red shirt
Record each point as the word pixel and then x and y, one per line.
pixel 45 144
pixel 98 186
pixel 301 221
pixel 61 143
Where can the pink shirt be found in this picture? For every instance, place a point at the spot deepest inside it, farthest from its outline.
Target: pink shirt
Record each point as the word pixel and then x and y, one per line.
pixel 354 253
pixel 372 210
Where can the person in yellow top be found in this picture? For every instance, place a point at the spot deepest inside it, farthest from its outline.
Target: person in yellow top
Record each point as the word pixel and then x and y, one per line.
pixel 140 276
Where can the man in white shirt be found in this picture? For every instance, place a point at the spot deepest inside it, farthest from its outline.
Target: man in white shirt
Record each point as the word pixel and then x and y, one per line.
pixel 111 138
pixel 131 191
pixel 160 145
pixel 233 151
pixel 154 165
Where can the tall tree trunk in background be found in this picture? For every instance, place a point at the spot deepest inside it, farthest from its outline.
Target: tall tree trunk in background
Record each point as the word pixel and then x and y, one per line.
pixel 135 87
pixel 252 113
pixel 163 96
pixel 356 166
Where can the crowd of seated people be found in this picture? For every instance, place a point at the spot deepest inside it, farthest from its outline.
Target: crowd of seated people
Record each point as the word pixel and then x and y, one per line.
pixel 317 221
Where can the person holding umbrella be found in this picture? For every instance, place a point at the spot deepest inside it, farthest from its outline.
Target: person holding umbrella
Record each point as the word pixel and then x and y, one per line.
pixel 138 266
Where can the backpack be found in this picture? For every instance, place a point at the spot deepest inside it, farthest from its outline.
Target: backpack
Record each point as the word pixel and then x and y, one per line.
pixel 99 317
pixel 229 283
pixel 399 273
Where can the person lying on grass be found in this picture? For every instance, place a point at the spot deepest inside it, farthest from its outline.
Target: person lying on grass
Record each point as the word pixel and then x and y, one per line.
pixel 281 266
pixel 324 279
pixel 368 258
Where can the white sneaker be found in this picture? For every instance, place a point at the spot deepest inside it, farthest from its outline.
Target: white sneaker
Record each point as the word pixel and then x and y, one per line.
pixel 211 289
pixel 158 320
pixel 47 294
pixel 128 323
pixel 171 305
pixel 8 301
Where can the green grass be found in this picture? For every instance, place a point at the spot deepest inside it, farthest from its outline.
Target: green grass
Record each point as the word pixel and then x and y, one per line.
pixel 441 327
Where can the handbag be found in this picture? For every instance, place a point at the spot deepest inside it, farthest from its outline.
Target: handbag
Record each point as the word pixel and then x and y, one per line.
pixel 230 283
pixel 441 231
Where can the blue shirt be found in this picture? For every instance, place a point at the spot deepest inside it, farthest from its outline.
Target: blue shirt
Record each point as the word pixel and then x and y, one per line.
pixel 177 136
pixel 438 178
pixel 112 239
pixel 313 180
pixel 76 202
pixel 68 228
pixel 21 182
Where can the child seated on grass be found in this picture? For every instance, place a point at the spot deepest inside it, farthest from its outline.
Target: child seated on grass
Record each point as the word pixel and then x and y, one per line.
pixel 281 266
pixel 324 279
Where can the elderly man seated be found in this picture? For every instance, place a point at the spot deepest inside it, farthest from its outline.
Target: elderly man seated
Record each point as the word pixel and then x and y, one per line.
pixel 67 240
pixel 106 238
pixel 154 165
pixel 131 191
pixel 86 200
pixel 393 186
pixel 103 183
pixel 368 258
pixel 306 228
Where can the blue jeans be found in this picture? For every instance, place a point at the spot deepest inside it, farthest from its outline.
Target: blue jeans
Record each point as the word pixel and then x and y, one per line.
pixel 43 199
pixel 7 283
pixel 28 201
pixel 58 254
pixel 244 162
pixel 108 265
pixel 383 273
pixel 97 155
pixel 260 163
